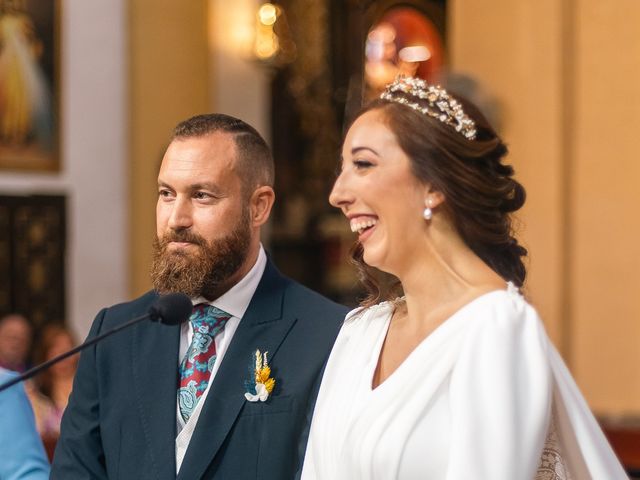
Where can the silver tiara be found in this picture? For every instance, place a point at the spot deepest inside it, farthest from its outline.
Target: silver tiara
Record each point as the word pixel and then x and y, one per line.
pixel 439 104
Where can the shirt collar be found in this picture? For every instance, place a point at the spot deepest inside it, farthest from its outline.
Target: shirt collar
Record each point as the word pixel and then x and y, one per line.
pixel 235 301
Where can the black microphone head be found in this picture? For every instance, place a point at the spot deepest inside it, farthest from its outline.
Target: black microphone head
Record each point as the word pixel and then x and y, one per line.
pixel 171 309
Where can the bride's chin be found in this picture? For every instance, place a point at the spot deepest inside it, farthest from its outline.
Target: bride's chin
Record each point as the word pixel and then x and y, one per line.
pixel 371 259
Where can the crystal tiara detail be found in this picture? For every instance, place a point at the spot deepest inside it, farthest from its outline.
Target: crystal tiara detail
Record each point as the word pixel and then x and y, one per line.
pixel 439 104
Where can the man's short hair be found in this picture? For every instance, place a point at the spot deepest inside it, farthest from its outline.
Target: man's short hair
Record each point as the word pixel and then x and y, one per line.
pixel 255 162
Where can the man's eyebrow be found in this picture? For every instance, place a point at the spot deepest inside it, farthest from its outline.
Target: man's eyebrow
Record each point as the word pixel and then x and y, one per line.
pixel 212 187
pixel 206 186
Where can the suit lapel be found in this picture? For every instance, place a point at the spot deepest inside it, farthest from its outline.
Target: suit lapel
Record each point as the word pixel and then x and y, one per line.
pixel 155 349
pixel 262 327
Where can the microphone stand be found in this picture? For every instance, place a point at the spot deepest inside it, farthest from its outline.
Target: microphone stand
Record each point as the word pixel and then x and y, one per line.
pixel 33 371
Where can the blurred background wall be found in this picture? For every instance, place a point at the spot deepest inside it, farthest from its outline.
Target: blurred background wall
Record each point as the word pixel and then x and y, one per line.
pixel 566 76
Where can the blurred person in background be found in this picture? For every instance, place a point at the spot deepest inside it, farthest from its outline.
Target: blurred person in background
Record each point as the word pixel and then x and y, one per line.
pixel 16 336
pixel 52 388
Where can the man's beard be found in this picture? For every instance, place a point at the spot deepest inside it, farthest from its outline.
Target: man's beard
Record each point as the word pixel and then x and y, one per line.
pixel 205 272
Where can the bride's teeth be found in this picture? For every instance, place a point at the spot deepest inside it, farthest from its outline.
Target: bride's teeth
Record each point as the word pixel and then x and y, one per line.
pixel 359 227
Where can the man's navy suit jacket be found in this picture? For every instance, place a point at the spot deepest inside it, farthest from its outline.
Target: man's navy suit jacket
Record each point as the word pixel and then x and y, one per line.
pixel 121 418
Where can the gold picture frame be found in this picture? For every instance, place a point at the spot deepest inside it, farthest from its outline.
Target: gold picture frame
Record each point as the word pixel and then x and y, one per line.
pixel 29 85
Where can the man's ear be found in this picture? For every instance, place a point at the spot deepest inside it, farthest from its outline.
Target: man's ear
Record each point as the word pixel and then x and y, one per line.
pixel 261 203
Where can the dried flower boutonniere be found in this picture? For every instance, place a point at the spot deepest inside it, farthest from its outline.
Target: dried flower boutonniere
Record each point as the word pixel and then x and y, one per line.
pixel 261 384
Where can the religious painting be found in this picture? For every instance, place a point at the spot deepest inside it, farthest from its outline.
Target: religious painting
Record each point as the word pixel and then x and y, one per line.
pixel 29 139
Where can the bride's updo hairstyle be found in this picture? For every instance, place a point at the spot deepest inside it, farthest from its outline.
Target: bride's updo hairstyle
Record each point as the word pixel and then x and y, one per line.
pixel 452 147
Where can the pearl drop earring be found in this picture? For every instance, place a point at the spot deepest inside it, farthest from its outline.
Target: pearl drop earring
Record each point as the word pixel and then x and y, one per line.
pixel 428 213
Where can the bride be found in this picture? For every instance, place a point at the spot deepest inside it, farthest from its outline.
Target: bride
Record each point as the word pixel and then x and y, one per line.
pixel 456 379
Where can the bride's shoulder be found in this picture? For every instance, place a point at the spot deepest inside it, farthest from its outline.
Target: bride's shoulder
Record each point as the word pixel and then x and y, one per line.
pixel 506 313
pixel 378 311
pixel 507 302
pixel 363 325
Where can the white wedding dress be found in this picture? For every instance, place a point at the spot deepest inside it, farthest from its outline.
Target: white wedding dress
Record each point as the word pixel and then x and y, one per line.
pixel 485 397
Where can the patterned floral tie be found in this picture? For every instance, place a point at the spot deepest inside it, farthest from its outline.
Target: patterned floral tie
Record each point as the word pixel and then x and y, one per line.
pixel 196 366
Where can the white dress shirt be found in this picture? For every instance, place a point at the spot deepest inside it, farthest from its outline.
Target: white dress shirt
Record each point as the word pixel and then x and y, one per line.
pixel 235 302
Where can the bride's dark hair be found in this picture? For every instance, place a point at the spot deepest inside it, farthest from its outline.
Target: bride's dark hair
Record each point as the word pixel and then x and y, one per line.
pixel 480 191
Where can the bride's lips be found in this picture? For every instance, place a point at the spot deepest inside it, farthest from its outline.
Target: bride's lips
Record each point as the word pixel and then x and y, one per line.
pixel 363 224
pixel 366 234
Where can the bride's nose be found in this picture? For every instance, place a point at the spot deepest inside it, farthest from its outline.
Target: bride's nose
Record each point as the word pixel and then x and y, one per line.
pixel 340 195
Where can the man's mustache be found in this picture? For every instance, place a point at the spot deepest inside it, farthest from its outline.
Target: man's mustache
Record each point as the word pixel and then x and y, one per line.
pixel 182 236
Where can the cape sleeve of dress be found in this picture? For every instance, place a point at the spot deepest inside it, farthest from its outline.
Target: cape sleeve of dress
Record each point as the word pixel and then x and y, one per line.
pixel 575 435
pixel 516 412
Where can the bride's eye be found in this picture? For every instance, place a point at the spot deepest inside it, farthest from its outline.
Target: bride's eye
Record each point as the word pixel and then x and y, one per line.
pixel 362 164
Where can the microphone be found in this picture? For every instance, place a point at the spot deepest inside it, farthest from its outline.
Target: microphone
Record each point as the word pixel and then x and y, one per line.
pixel 170 309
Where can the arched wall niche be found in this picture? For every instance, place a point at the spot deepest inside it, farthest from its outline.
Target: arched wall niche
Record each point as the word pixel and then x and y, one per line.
pixel 351 23
pixel 403 40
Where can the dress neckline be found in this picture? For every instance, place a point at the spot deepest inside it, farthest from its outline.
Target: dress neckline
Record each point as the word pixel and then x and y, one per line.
pixel 436 332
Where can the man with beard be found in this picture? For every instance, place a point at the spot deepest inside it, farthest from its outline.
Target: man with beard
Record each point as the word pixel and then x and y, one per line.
pixel 227 395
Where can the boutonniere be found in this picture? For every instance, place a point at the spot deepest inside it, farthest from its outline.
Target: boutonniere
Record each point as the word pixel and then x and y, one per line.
pixel 261 383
